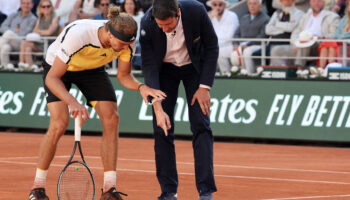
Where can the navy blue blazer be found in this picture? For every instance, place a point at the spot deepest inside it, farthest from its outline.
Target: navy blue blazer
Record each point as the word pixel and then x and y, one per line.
pixel 200 37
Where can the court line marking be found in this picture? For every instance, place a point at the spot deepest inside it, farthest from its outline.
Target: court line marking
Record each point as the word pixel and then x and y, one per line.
pixel 311 197
pixel 192 174
pixel 191 163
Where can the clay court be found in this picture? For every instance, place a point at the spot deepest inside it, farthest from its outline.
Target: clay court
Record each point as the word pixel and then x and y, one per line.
pixel 243 171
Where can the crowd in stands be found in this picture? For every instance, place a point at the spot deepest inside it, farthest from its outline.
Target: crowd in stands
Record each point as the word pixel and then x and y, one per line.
pixel 301 24
pixel 296 29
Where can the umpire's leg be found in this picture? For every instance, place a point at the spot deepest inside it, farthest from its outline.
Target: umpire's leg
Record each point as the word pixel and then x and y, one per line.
pixel 164 145
pixel 202 138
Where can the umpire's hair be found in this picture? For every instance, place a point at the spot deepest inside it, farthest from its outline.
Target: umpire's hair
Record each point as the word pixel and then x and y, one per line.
pixel 121 22
pixel 164 9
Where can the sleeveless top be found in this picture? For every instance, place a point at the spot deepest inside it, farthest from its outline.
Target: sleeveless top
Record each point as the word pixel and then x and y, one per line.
pixel 45 24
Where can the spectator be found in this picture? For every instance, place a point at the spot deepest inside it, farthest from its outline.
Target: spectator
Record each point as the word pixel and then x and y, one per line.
pixel 17 24
pixel 225 25
pixel 103 6
pixel 321 23
pixel 131 7
pixel 281 25
pixel 251 25
pixel 63 8
pixel 46 25
pixel 343 29
pixel 336 48
pixel 83 9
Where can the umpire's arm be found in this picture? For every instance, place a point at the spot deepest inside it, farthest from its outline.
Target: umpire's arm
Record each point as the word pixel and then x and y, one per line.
pixel 149 65
pixel 211 49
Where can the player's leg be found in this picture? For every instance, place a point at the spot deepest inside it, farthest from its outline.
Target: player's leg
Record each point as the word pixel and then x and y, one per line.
pixel 99 92
pixel 202 139
pixel 108 113
pixel 59 119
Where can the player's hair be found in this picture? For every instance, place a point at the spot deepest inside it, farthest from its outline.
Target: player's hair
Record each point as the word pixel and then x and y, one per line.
pixel 121 22
pixel 164 9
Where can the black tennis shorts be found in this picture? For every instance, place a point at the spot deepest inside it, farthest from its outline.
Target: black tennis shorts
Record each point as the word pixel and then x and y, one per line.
pixel 94 84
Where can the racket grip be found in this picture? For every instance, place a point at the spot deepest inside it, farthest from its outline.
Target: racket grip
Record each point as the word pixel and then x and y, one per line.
pixel 77 129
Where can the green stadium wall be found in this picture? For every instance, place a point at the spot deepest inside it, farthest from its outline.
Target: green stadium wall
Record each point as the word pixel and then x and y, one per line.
pixel 247 108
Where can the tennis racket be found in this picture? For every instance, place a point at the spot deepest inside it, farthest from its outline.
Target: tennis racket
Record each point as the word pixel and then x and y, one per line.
pixel 76 181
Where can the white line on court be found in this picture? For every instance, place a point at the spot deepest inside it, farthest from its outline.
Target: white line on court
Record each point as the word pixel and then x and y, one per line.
pixel 191 174
pixel 191 163
pixel 312 197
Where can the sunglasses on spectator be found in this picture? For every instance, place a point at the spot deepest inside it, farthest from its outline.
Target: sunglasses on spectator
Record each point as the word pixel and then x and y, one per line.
pixel 47 6
pixel 104 4
pixel 217 4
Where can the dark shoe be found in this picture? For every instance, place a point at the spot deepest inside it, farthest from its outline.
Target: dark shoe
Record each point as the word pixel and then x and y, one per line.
pixel 168 196
pixel 38 194
pixel 112 194
pixel 206 196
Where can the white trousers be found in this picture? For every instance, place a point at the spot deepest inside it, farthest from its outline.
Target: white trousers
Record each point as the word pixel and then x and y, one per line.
pixel 8 42
pixel 248 61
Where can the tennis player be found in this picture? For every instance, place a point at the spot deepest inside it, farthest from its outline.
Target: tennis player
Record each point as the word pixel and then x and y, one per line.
pixel 78 56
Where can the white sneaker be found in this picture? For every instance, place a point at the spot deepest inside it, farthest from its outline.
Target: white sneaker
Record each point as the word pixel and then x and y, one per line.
pixel 35 68
pixel 259 70
pixel 320 71
pixel 10 66
pixel 235 70
pixel 299 72
pixel 244 72
pixel 227 74
pixel 22 65
pixel 305 72
pixel 313 71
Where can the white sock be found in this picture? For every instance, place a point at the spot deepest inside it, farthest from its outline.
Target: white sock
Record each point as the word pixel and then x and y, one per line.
pixel 40 178
pixel 110 179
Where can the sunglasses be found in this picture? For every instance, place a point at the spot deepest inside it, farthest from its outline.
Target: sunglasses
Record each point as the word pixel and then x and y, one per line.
pixel 47 6
pixel 217 4
pixel 104 4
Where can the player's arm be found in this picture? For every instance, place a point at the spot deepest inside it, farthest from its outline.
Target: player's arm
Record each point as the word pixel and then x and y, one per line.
pixel 125 77
pixel 54 83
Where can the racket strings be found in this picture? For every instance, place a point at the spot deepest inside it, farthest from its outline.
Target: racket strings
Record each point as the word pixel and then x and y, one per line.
pixel 76 183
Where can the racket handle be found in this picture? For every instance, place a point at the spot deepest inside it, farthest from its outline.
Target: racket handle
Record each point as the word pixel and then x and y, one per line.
pixel 77 129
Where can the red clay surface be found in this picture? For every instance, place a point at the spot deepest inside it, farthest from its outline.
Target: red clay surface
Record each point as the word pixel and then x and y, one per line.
pixel 243 171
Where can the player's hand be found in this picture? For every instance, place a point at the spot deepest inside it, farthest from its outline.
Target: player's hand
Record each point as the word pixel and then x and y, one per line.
pixel 147 91
pixel 78 110
pixel 202 95
pixel 163 121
